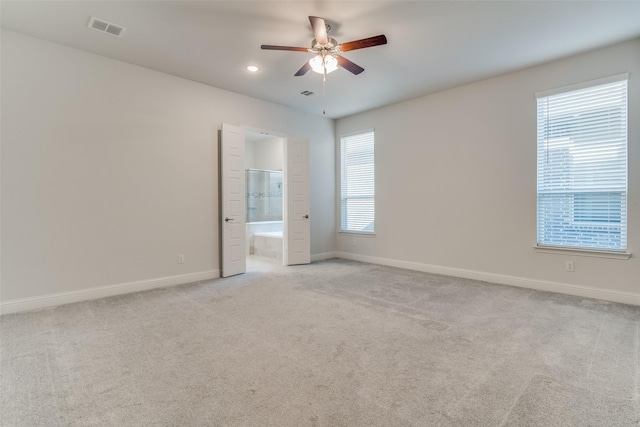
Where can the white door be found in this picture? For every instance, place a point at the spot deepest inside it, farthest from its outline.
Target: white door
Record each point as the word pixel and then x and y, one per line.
pixel 297 230
pixel 232 201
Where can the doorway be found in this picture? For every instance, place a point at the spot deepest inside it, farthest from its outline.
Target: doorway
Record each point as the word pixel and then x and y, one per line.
pixel 264 185
pixel 292 186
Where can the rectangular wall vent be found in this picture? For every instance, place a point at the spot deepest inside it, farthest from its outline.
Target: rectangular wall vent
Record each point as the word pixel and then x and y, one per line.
pixel 106 27
pixel 307 93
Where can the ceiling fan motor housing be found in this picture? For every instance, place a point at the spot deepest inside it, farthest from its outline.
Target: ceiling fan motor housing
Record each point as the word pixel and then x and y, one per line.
pixel 331 45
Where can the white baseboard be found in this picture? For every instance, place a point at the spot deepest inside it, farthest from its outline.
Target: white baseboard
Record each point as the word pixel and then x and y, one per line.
pixel 323 256
pixel 32 303
pixel 24 304
pixel 521 282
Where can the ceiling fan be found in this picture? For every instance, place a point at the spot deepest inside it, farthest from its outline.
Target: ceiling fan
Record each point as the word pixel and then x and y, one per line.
pixel 327 50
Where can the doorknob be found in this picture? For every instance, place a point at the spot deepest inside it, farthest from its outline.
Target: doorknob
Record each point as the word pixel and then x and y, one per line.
pixel 227 219
pixel 306 217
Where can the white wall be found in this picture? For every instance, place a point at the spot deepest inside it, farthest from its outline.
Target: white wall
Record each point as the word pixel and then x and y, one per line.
pixel 248 154
pixel 456 181
pixel 268 154
pixel 109 171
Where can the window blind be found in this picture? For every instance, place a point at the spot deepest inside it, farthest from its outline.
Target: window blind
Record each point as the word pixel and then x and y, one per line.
pixel 357 184
pixel 582 167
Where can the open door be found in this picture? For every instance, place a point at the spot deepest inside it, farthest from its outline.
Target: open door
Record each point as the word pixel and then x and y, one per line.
pixel 297 230
pixel 232 201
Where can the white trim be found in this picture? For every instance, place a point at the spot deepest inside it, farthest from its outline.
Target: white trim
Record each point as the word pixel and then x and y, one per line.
pixel 356 132
pixel 323 256
pixel 583 85
pixel 558 250
pixel 32 303
pixel 358 233
pixel 265 132
pixel 521 282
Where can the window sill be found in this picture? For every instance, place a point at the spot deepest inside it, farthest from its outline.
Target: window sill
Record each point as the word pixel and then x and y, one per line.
pixel 358 233
pixel 582 252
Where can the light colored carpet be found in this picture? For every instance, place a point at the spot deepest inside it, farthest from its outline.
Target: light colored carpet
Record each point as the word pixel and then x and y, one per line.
pixel 335 343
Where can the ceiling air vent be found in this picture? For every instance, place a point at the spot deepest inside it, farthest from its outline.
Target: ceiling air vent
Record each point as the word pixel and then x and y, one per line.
pixel 106 27
pixel 307 93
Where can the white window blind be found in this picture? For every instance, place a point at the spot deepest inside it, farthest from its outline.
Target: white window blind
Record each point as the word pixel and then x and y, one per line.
pixel 582 167
pixel 357 189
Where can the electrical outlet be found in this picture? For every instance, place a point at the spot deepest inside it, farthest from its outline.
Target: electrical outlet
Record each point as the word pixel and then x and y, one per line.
pixel 354 242
pixel 181 259
pixel 568 265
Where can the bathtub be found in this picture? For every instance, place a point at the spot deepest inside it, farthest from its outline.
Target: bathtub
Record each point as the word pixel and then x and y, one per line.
pixel 268 244
pixel 276 234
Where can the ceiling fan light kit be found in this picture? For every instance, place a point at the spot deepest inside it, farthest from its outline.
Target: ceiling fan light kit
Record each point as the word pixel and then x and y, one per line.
pixel 323 64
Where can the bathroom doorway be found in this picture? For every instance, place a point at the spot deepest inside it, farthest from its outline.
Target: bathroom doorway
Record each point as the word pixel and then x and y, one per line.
pixel 264 181
pixel 277 167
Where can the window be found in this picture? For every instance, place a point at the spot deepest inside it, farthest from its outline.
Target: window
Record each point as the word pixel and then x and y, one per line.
pixel 582 166
pixel 357 187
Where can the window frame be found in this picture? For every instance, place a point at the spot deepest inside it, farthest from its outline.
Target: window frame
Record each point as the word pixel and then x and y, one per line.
pixel 340 171
pixel 610 252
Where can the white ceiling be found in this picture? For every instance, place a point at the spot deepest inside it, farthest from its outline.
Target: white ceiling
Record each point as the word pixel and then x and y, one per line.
pixel 433 45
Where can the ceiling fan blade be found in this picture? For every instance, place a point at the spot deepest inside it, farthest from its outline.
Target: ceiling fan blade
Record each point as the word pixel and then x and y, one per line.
pixel 360 44
pixel 348 65
pixel 303 70
pixel 295 49
pixel 319 29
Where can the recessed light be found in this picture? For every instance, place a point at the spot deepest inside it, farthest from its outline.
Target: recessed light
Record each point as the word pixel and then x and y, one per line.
pixel 252 68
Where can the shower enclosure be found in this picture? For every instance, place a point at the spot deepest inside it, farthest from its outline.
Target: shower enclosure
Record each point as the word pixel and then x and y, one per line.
pixel 264 195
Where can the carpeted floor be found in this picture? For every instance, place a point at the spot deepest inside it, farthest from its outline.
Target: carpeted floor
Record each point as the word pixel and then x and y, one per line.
pixel 334 343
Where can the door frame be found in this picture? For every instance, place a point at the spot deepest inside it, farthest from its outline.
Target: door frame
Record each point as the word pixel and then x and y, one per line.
pixel 286 190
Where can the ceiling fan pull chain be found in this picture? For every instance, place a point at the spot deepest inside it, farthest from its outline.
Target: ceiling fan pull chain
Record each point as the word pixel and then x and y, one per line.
pixel 324 85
